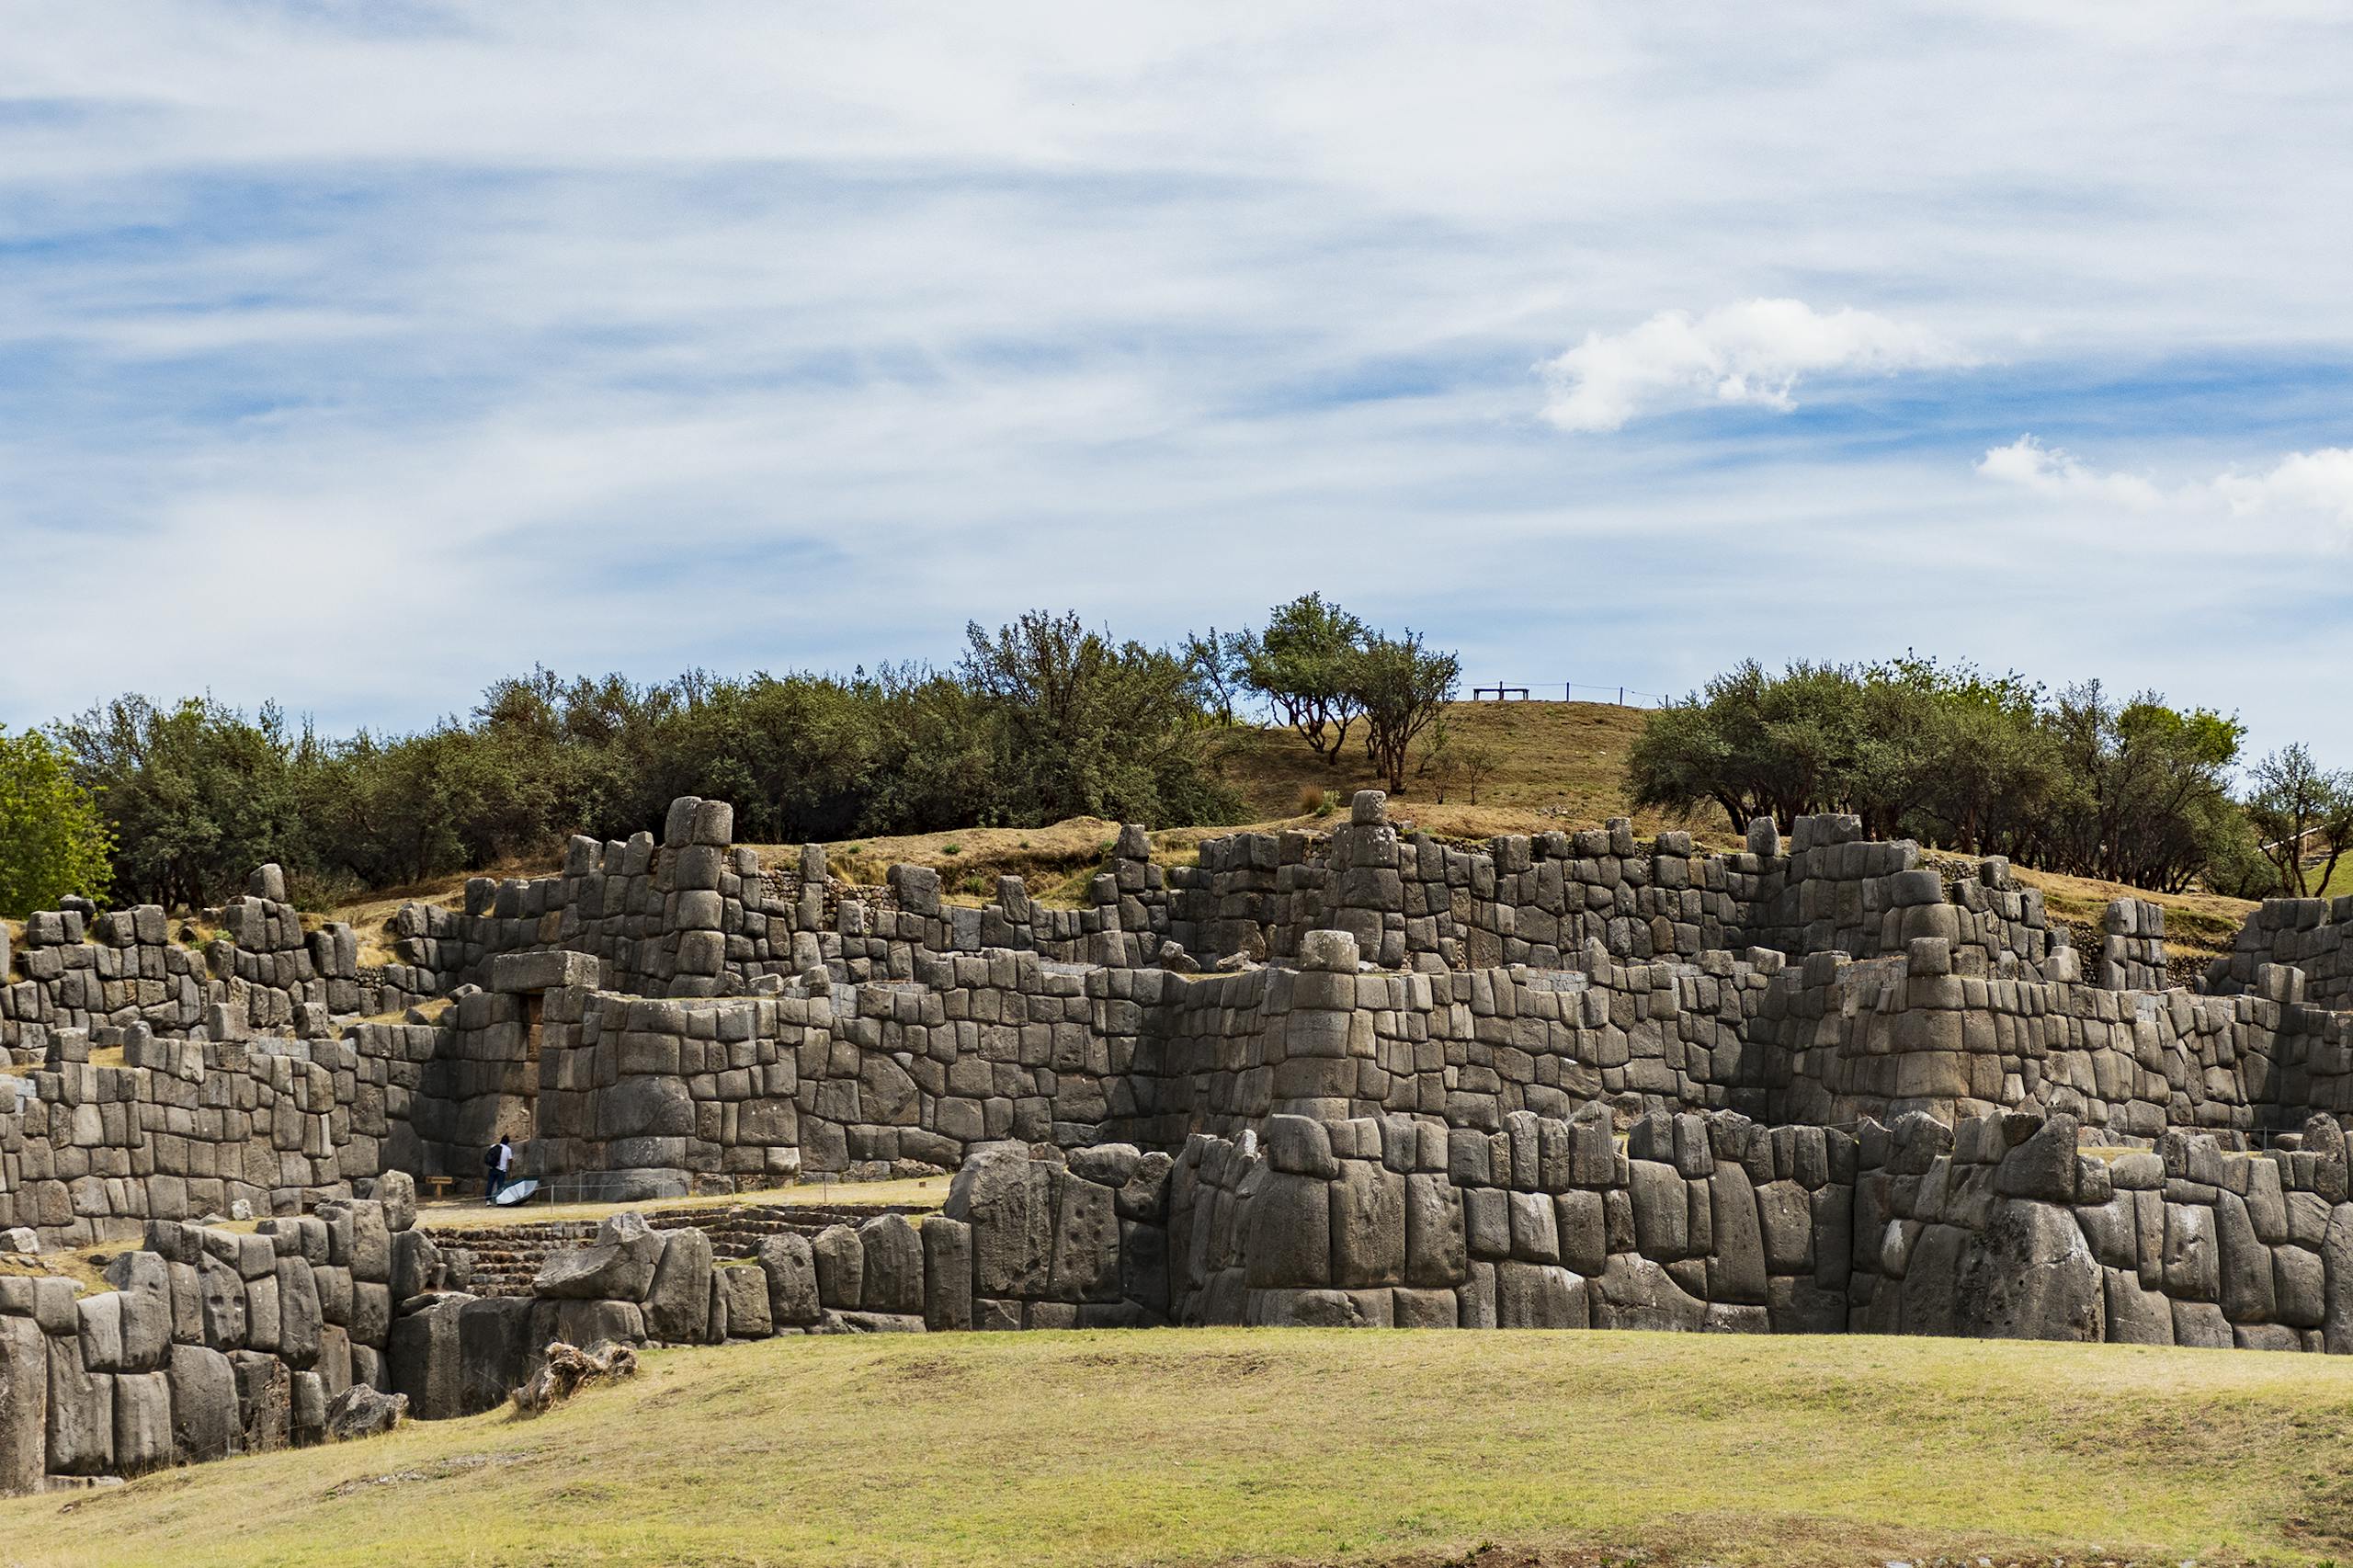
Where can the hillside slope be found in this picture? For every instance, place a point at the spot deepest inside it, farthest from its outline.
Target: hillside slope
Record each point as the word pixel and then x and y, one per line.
pixel 1305 1448
pixel 1556 765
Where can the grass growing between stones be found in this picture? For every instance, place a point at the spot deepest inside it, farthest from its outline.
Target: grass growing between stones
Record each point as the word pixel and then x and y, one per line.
pixel 1302 1447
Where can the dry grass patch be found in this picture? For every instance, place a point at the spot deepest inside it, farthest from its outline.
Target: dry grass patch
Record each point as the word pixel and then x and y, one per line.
pixel 1556 764
pixel 1276 1446
pixel 2200 923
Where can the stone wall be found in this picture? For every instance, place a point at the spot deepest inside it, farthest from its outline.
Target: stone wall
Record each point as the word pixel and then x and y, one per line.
pixel 1567 1080
pixel 186 1128
pixel 215 1342
pixel 1886 1036
pixel 2001 1227
pixel 1698 1222
pixel 86 971
pixel 211 1342
pixel 2313 936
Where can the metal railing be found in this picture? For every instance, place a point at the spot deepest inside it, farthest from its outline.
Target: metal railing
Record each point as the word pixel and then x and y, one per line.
pixel 1620 696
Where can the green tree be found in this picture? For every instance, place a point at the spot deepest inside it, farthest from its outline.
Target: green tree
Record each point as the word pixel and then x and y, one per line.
pixel 195 795
pixel 1401 686
pixel 1758 745
pixel 1304 666
pixel 52 842
pixel 1215 659
pixel 2301 814
pixel 2145 797
pixel 1083 725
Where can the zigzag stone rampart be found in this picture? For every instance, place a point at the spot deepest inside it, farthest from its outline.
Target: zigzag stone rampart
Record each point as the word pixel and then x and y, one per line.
pixel 1362 1078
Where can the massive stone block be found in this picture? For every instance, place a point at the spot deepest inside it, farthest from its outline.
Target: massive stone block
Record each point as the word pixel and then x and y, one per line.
pixel 2030 1275
pixel 617 1267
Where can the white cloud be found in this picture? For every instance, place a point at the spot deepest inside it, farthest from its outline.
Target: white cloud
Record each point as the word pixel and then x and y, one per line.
pixel 2053 470
pixel 409 345
pixel 2303 487
pixel 1753 352
pixel 2319 482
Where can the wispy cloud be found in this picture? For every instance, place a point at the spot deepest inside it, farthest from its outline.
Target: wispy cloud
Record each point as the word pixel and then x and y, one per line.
pixel 2313 486
pixel 1753 352
pixel 353 355
pixel 2052 470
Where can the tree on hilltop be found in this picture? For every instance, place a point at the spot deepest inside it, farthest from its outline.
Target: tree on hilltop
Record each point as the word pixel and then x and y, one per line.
pixel 2301 812
pixel 1303 664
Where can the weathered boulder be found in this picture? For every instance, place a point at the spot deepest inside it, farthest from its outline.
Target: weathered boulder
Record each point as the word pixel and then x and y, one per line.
pixel 678 1302
pixel 617 1267
pixel 1323 1309
pixel 1085 1265
pixel 1637 1292
pixel 372 1243
pixel 1368 1224
pixel 264 1402
pixel 841 1267
pixel 143 1281
pixel 893 1278
pixel 2043 1166
pixel 425 1360
pixel 1540 1295
pixel 2135 1316
pixel 1007 1199
pixel 744 1287
pixel 1736 1264
pixel 1662 1210
pixel 2336 1254
pixel 81 1412
pixel 204 1404
pixel 395 1191
pixel 2246 1263
pixel 1288 1239
pixel 1931 1280
pixel 2192 1268
pixel 361 1411
pixel 143 1421
pixel 791 1266
pixel 298 1316
pixel 1435 1254
pixel 1416 1308
pixel 586 1323
pixel 24 1405
pixel 494 1350
pixel 416 1264
pixel 947 1273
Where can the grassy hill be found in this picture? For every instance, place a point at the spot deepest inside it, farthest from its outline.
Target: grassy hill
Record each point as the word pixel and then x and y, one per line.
pixel 1306 1448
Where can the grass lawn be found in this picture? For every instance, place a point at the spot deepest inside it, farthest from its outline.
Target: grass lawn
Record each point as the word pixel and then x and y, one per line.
pixel 1303 1448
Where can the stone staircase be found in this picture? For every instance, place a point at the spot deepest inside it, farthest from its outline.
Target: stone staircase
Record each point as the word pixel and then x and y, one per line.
pixel 508 1258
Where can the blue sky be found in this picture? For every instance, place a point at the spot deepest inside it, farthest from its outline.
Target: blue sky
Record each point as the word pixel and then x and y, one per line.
pixel 351 355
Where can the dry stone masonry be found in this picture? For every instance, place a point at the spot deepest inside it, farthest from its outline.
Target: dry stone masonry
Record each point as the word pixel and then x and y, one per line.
pixel 1818 1085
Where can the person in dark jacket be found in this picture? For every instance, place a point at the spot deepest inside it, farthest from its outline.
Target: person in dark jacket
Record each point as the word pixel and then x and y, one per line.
pixel 499 1161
